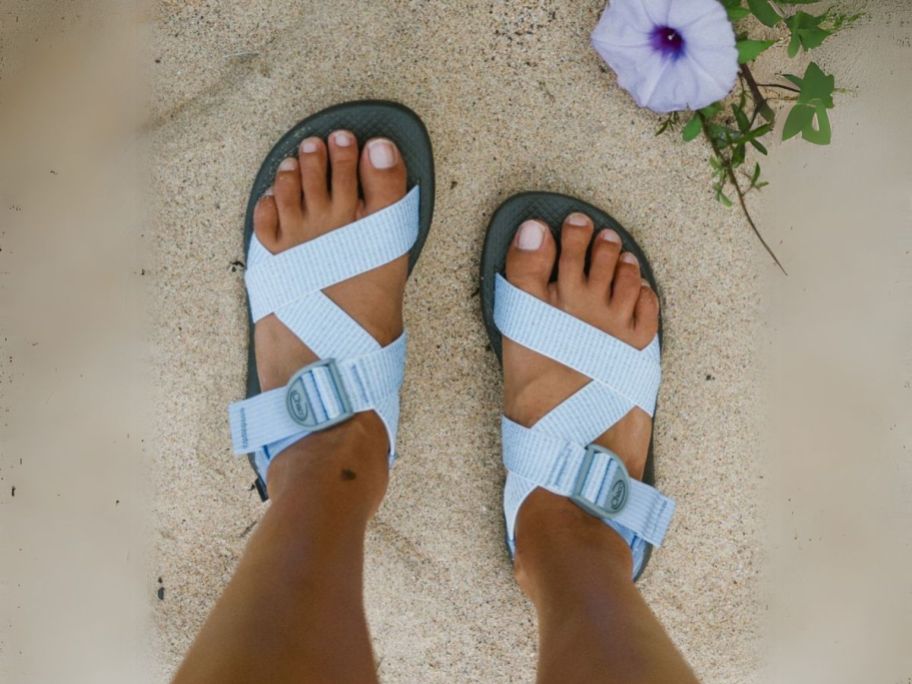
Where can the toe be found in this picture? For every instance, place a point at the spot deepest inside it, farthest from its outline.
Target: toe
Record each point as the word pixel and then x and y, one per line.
pixel 266 221
pixel 625 289
pixel 605 252
pixel 312 155
pixel 343 155
pixel 530 260
pixel 646 313
pixel 382 174
pixel 287 194
pixel 576 234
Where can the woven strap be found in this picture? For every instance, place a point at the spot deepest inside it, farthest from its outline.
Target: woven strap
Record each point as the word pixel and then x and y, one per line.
pixel 354 373
pixel 556 453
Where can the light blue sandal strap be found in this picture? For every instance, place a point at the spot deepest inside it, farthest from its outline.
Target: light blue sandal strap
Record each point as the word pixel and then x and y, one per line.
pixel 594 477
pixel 556 453
pixel 338 255
pixel 318 396
pixel 354 373
pixel 631 373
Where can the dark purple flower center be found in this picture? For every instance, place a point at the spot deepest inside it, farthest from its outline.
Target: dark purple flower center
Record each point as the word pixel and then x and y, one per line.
pixel 668 41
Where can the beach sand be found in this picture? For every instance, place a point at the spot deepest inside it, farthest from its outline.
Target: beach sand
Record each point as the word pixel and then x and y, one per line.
pixel 514 99
pixel 783 429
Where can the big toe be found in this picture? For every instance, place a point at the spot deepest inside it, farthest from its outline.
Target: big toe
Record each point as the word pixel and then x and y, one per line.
pixel 266 221
pixel 382 172
pixel 530 259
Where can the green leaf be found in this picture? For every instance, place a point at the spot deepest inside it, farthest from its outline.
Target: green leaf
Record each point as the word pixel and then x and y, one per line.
pixel 722 197
pixel 758 132
pixel 764 11
pixel 750 49
pixel 755 176
pixel 741 118
pixel 692 129
pixel 817 86
pixel 721 134
pixel 759 147
pixel 807 32
pixel 822 134
pixel 798 119
pixel 735 10
pixel 710 111
pixel 794 45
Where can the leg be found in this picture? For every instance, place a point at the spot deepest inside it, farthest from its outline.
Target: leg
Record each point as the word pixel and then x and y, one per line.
pixel 594 626
pixel 593 623
pixel 293 610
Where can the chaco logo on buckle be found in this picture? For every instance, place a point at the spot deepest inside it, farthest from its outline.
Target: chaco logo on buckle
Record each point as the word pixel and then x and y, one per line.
pixel 616 491
pixel 325 378
pixel 296 401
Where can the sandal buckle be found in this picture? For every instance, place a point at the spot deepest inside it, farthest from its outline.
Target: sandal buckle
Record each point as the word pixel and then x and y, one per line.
pixel 613 490
pixel 324 377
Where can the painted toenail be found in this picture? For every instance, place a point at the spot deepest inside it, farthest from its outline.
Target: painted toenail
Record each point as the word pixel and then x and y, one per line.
pixel 382 154
pixel 531 235
pixel 342 139
pixel 289 164
pixel 610 236
pixel 578 219
pixel 309 146
pixel 628 258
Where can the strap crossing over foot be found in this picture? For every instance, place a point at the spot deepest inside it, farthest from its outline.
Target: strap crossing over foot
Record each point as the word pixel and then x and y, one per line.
pixel 557 453
pixel 354 373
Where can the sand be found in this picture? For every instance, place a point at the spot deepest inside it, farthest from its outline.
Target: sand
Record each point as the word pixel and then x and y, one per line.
pixel 514 99
pixel 122 509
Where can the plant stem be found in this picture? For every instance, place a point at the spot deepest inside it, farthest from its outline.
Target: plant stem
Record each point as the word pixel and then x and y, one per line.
pixel 778 85
pixel 730 172
pixel 759 100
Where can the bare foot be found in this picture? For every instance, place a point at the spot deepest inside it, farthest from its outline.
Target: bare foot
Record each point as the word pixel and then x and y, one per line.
pixel 613 297
pixel 327 186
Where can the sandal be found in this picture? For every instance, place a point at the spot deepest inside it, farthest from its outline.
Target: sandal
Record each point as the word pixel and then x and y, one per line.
pixel 557 453
pixel 354 373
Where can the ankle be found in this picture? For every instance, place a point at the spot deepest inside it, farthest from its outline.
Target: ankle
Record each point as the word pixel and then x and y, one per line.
pixel 348 460
pixel 562 551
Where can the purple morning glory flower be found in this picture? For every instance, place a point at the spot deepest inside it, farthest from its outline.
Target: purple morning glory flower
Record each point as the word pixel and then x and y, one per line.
pixel 669 54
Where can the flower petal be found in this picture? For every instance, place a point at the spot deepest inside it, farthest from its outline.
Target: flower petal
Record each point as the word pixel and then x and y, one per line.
pixel 622 23
pixel 683 14
pixel 703 71
pixel 657 11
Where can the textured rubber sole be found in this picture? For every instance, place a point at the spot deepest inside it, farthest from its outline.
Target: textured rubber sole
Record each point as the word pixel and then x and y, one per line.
pixel 366 119
pixel 552 208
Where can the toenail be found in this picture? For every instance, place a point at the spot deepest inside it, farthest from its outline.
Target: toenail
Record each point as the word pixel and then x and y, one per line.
pixel 611 236
pixel 578 219
pixel 268 192
pixel 531 235
pixel 289 164
pixel 645 283
pixel 628 258
pixel 309 146
pixel 342 139
pixel 382 154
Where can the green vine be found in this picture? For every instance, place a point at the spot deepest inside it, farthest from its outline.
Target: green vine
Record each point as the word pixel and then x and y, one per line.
pixel 738 124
